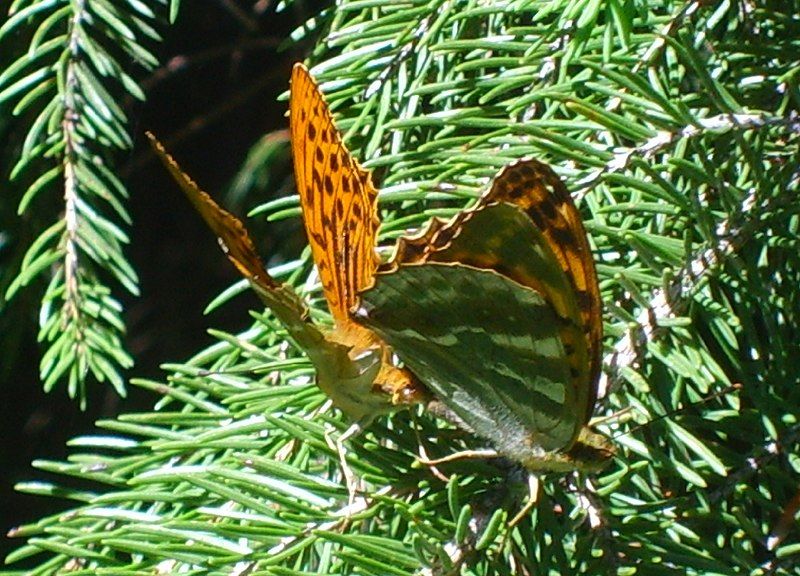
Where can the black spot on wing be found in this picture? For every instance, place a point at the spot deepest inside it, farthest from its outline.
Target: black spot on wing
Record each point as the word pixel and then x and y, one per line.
pixel 547 207
pixel 515 192
pixel 316 181
pixel 563 237
pixel 585 299
pixel 538 219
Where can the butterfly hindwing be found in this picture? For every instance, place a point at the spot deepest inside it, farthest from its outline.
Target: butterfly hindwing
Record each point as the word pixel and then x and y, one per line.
pixel 501 370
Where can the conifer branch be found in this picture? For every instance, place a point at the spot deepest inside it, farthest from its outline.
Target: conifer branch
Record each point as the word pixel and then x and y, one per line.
pixel 64 88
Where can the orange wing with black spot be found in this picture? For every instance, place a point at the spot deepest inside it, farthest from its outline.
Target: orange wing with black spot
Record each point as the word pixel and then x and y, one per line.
pixel 236 242
pixel 338 199
pixel 536 189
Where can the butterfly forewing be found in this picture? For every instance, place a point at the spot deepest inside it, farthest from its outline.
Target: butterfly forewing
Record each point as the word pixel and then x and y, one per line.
pixel 235 241
pixel 353 367
pixel 340 214
pixel 536 189
pixel 337 196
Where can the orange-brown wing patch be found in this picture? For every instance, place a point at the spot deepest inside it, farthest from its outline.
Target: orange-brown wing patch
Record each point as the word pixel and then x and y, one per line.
pixel 536 189
pixel 229 230
pixel 235 241
pixel 337 196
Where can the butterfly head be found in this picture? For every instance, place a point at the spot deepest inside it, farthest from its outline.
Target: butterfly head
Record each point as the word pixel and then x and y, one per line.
pixel 591 452
pixel 348 377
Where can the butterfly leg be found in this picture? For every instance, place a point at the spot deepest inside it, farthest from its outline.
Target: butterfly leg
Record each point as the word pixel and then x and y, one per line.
pixel 351 480
pixel 591 505
pixel 422 458
pixel 463 455
pixel 533 498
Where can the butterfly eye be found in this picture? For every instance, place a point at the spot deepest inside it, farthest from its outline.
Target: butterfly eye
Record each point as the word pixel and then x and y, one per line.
pixel 361 313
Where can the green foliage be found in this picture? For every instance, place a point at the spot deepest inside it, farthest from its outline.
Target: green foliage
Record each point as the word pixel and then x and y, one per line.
pixel 675 125
pixel 71 69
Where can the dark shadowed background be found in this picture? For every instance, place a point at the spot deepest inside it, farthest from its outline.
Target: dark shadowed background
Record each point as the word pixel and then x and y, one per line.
pixel 223 68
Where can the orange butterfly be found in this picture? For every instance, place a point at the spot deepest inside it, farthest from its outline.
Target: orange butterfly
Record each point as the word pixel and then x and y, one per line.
pixel 354 367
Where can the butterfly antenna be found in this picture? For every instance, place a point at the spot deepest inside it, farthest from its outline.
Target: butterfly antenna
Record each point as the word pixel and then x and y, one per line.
pixel 728 389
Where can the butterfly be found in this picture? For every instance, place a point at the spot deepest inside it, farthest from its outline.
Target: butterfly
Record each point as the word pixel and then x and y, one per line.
pixel 497 311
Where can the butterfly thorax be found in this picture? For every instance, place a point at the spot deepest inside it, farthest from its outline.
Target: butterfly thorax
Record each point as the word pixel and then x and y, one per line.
pixel 363 380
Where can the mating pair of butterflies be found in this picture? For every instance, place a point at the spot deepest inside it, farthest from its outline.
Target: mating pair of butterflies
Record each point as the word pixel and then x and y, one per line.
pixel 497 312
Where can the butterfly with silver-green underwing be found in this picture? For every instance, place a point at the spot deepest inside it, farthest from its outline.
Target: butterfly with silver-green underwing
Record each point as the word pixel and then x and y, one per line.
pixel 496 312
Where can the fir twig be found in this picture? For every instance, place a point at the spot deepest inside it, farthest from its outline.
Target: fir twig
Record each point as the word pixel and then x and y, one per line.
pixel 64 86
